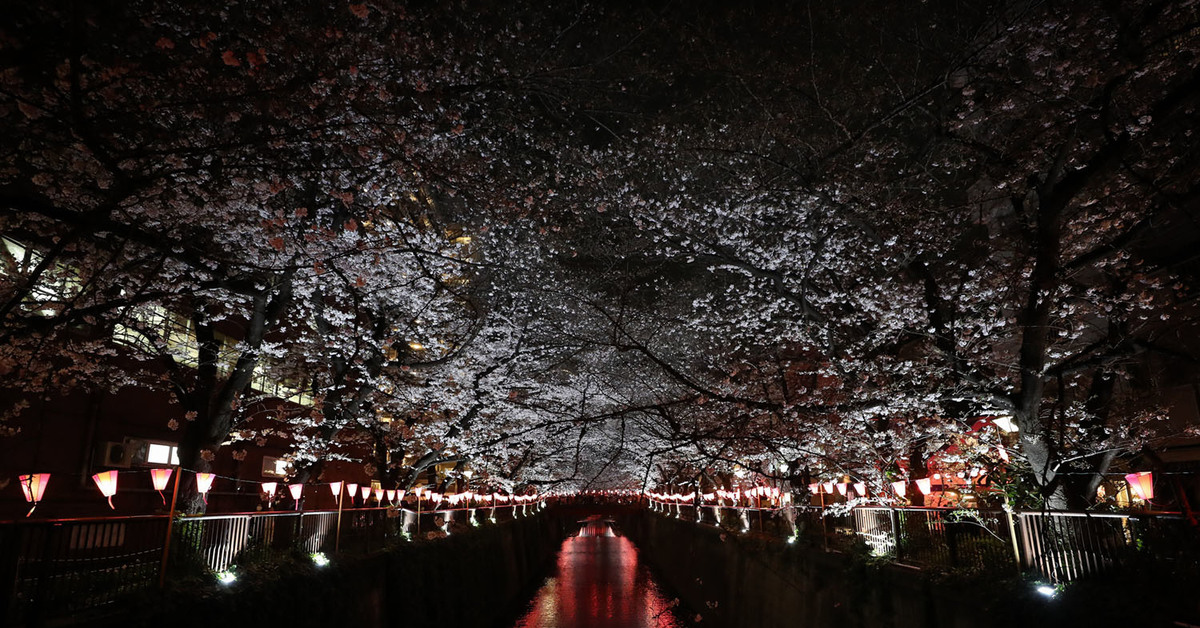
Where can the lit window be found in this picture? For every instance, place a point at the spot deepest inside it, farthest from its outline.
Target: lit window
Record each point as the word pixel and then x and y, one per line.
pixel 160 453
pixel 273 467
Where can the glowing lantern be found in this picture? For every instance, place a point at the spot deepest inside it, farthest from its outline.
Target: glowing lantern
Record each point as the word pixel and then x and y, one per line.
pixel 336 489
pixel 34 486
pixel 269 488
pixel 391 495
pixel 814 488
pixel 351 491
pixel 160 477
pixel 366 493
pixel 204 484
pixel 1142 484
pixel 296 490
pixel 841 487
pixel 860 488
pixel 107 483
pixel 400 495
pixel 900 487
pixel 828 486
pixel 378 496
pixel 924 485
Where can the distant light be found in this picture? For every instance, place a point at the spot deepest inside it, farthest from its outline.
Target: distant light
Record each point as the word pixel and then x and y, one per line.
pixel 320 559
pixel 226 577
pixel 416 346
pixel 1047 590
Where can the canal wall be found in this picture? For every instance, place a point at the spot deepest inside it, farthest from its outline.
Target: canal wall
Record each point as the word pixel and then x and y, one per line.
pixel 734 581
pixel 466 580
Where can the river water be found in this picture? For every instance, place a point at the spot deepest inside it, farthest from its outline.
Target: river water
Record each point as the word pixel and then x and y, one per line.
pixel 599 583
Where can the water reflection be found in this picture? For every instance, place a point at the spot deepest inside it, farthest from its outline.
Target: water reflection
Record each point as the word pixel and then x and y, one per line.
pixel 599 584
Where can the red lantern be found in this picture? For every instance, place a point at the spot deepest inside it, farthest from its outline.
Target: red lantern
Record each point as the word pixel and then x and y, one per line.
pixel 366 493
pixel 1142 484
pixel 924 485
pixel 160 477
pixel 34 486
pixel 391 495
pixel 296 490
pixel 378 496
pixel 106 481
pixel 828 486
pixel 204 482
pixel 352 490
pixel 841 487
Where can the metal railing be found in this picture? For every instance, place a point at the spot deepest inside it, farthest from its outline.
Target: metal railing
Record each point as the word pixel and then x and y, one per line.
pixel 1056 547
pixel 81 567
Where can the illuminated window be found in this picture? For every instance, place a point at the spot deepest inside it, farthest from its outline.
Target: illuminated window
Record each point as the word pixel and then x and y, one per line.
pixel 162 453
pixel 273 467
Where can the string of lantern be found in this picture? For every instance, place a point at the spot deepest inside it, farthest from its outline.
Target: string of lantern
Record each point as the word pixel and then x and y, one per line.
pixel 34 485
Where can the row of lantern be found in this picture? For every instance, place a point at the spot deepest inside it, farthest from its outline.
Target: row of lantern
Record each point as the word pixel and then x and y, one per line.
pixel 1141 483
pixel 769 493
pixel 34 488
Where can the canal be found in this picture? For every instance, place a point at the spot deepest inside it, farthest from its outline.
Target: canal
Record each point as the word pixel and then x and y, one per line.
pixel 599 583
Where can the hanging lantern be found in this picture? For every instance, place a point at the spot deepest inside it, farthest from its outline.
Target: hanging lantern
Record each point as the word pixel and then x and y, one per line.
pixel 366 494
pixel 160 477
pixel 900 487
pixel 860 488
pixel 204 483
pixel 34 486
pixel 924 485
pixel 391 495
pixel 828 486
pixel 841 487
pixel 351 491
pixel 106 481
pixel 336 489
pixel 268 488
pixel 1142 484
pixel 400 495
pixel 296 490
pixel 378 496
pixel 814 488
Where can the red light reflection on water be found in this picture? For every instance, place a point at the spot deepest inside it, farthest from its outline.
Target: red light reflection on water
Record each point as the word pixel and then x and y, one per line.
pixel 599 584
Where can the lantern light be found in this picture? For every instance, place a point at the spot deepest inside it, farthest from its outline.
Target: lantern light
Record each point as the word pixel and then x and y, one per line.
pixel 814 488
pixel 900 487
pixel 924 485
pixel 204 483
pixel 296 490
pixel 351 491
pixel 34 486
pixel 160 477
pixel 391 495
pixel 1142 484
pixel 269 488
pixel 828 486
pixel 336 489
pixel 378 496
pixel 106 481
pixel 841 487
pixel 861 488
pixel 366 494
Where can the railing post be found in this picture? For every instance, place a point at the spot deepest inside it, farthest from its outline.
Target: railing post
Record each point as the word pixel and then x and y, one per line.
pixel 1012 535
pixel 895 519
pixel 166 553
